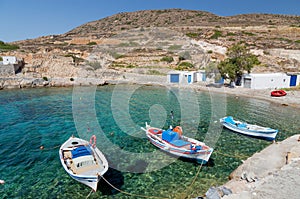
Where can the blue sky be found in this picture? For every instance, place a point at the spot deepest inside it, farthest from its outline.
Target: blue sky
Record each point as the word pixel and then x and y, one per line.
pixel 26 19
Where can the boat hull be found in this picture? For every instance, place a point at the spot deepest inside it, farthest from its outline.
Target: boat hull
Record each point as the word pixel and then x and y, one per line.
pixel 89 177
pixel 266 133
pixel 201 156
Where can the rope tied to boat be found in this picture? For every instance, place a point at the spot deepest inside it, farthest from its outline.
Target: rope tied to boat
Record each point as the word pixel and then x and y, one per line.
pixel 196 176
pixel 89 194
pixel 130 194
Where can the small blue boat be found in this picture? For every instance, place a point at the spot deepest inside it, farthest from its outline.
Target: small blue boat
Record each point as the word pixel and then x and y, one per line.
pixel 249 129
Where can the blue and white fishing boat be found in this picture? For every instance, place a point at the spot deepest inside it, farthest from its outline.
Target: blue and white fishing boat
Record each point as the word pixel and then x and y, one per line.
pixel 249 129
pixel 172 141
pixel 83 161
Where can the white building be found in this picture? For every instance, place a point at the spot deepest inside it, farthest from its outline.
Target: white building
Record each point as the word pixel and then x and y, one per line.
pixel 9 60
pixel 201 76
pixel 182 77
pixel 267 80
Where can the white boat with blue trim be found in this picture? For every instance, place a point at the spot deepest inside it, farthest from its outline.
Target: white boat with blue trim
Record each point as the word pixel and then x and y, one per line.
pixel 249 129
pixel 83 161
pixel 172 141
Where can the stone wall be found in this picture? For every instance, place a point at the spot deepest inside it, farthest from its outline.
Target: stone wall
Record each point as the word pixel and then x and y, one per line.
pixel 7 70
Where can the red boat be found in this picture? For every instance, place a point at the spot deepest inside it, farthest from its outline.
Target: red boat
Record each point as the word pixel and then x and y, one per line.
pixel 278 93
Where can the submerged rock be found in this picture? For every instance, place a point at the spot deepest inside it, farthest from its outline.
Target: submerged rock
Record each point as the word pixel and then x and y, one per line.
pixel 212 193
pixel 225 191
pixel 217 193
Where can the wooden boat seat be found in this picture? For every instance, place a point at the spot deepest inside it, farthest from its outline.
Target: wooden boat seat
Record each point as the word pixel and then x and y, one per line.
pixel 67 154
pixel 86 169
pixel 85 165
pixel 73 168
pixel 95 168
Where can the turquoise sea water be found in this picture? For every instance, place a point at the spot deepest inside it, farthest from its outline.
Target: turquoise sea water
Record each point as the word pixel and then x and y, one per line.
pixel 31 118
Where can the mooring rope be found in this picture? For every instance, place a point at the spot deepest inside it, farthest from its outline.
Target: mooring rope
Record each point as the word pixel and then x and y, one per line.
pixel 89 194
pixel 196 176
pixel 130 194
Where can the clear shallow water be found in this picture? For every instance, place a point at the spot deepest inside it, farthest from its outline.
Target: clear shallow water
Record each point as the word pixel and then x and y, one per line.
pixel 44 117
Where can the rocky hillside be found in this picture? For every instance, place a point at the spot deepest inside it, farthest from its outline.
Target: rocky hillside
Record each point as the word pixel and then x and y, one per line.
pixel 156 41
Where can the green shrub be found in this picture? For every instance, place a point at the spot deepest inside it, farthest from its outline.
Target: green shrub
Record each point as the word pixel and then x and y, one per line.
pixel 71 79
pixel 1 59
pixel 45 78
pixel 6 47
pixel 248 33
pixel 285 39
pixel 116 55
pixel 209 51
pixel 231 34
pixel 216 35
pixel 192 34
pixel 130 66
pixel 175 47
pixel 91 43
pixel 167 59
pixel 185 66
pixel 154 72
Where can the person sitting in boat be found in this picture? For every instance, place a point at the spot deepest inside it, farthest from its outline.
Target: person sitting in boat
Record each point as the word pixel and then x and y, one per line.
pixel 178 130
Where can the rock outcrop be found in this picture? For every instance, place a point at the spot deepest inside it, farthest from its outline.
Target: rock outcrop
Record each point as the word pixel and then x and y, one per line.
pixel 274 168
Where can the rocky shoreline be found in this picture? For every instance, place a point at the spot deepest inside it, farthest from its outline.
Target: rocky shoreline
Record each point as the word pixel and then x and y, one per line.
pixel 28 82
pixel 270 173
pixel 291 99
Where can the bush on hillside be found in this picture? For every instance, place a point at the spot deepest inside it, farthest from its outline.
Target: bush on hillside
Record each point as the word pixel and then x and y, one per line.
pixel 4 46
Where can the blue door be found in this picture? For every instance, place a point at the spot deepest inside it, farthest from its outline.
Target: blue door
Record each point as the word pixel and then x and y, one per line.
pixel 189 79
pixel 203 77
pixel 174 78
pixel 220 81
pixel 293 81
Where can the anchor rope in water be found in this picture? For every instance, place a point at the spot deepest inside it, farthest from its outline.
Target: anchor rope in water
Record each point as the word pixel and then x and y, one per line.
pixel 196 176
pixel 127 193
pixel 89 194
pixel 198 172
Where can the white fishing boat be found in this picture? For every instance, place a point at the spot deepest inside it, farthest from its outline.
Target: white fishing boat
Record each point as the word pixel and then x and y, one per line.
pixel 172 141
pixel 83 161
pixel 249 129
